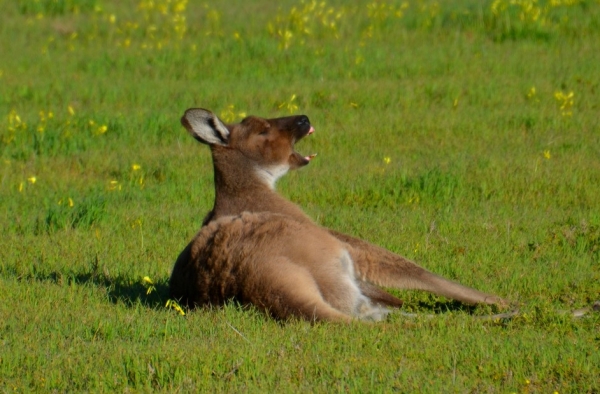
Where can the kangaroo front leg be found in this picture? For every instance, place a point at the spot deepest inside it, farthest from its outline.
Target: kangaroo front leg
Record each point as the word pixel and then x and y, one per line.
pixel 384 268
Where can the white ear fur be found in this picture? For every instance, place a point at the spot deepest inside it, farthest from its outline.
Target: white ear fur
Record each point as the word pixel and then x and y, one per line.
pixel 205 126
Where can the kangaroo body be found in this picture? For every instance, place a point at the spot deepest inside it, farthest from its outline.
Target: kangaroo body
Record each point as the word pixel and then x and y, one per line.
pixel 258 248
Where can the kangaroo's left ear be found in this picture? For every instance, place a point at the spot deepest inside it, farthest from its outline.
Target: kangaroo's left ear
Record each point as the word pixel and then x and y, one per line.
pixel 205 126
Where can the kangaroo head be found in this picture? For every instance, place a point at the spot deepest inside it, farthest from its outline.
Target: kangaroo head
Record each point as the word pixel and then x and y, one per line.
pixel 256 146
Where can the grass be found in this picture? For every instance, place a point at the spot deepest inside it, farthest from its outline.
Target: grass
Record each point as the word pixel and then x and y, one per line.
pixel 445 132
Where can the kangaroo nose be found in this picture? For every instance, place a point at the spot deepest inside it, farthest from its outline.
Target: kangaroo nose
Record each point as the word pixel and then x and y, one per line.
pixel 303 120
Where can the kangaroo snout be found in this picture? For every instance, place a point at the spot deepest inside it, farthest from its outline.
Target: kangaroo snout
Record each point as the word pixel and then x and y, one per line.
pixel 304 125
pixel 303 121
pixel 298 126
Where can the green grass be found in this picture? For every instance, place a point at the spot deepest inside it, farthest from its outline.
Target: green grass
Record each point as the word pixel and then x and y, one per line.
pixel 431 143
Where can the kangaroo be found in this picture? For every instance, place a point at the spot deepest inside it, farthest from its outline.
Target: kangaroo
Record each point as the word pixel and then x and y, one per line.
pixel 258 248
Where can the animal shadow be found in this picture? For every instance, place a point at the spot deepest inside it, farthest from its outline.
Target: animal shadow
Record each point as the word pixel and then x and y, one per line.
pixel 120 289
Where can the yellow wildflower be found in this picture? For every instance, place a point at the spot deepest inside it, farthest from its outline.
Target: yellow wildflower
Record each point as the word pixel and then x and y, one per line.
pixel 147 282
pixel 173 304
pixel 565 101
pixel 114 185
pixel 547 154
pixel 32 179
pixel 136 167
pixel 290 105
pixel 229 115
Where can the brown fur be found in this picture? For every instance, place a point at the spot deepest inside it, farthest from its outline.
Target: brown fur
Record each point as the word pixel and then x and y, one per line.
pixel 261 249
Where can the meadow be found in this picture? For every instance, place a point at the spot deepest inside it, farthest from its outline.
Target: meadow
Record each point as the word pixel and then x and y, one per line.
pixel 464 135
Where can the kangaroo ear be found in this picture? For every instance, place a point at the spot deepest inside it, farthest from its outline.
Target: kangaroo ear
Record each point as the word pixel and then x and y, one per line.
pixel 204 126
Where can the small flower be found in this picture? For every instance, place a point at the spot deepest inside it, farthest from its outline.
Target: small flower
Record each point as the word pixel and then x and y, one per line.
pixel 71 203
pixel 387 160
pixel 114 185
pixel 32 179
pixel 137 223
pixel 547 154
pixel 71 110
pixel 290 105
pixel 102 129
pixel 229 115
pixel 173 304
pixel 565 101
pixel 147 282
pixel 136 167
pixel 531 93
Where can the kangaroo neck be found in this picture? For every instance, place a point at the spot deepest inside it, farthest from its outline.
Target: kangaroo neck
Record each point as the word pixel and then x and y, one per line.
pixel 239 188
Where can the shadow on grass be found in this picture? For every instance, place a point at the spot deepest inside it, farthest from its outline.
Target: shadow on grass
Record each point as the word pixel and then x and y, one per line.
pixel 120 289
pixel 131 292
pixel 446 306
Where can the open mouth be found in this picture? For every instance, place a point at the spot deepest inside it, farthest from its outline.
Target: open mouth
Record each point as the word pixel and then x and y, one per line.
pixel 304 160
pixel 310 157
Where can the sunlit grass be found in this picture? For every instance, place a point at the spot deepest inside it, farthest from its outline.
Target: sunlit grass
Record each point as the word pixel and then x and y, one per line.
pixel 463 135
